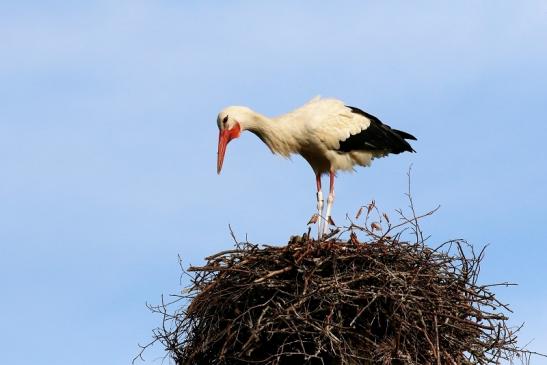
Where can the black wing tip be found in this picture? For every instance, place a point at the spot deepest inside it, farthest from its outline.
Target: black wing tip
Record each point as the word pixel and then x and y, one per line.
pixel 381 134
pixel 407 148
pixel 405 135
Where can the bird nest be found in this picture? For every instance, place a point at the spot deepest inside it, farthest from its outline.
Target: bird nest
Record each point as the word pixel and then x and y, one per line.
pixel 378 300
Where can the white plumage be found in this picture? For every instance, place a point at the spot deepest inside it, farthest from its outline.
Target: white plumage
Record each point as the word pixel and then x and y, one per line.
pixel 328 134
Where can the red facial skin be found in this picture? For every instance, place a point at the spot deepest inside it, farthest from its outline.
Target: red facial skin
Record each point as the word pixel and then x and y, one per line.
pixel 224 137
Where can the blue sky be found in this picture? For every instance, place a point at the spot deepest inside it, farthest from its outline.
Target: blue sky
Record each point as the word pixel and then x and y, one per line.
pixel 108 145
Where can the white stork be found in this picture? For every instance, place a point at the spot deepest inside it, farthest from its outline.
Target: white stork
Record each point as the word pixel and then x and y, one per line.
pixel 328 134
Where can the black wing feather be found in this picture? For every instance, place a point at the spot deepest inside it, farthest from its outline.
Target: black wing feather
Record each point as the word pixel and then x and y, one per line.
pixel 404 135
pixel 377 137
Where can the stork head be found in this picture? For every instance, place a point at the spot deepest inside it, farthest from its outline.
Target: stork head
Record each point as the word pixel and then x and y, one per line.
pixel 229 126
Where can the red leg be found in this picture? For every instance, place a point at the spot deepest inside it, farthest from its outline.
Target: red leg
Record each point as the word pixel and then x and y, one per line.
pixel 331 186
pixel 318 181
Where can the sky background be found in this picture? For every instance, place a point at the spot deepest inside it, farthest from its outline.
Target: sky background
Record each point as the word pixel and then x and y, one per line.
pixel 108 148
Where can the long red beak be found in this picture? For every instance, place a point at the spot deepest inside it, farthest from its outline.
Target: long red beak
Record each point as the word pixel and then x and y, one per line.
pixel 223 139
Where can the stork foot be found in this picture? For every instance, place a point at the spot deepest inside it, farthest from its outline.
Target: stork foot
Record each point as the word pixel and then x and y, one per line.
pixel 331 221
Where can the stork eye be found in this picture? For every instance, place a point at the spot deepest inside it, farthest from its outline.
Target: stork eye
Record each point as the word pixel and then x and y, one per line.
pixel 225 120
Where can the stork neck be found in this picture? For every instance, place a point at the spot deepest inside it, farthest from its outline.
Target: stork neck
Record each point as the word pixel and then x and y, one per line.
pixel 256 122
pixel 272 132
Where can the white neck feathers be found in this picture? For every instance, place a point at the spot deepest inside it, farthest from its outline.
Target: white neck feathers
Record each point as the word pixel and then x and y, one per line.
pixel 278 134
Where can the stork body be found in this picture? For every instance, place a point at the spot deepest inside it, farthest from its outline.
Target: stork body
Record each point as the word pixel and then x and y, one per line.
pixel 329 135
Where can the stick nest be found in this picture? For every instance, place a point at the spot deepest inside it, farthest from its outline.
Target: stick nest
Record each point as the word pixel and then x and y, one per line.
pixel 383 301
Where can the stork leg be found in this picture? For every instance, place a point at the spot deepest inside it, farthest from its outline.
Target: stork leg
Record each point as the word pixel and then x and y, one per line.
pixel 319 206
pixel 330 200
